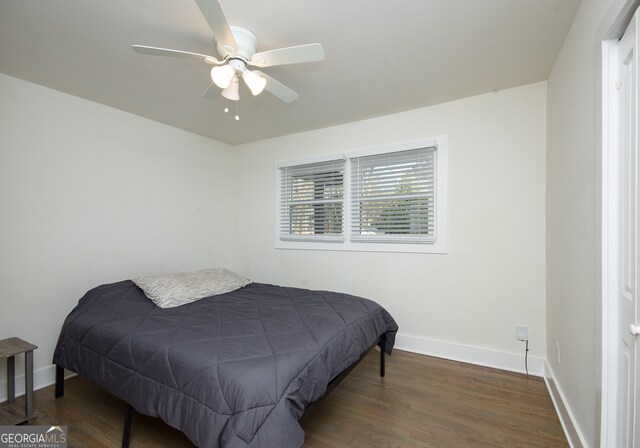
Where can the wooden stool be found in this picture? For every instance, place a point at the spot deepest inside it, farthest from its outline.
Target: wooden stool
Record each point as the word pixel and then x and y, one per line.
pixel 10 412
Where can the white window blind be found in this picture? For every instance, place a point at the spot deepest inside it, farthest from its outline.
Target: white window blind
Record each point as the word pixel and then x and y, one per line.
pixel 312 201
pixel 393 197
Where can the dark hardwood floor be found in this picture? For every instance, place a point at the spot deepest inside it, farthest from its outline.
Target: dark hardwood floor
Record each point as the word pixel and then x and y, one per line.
pixel 422 402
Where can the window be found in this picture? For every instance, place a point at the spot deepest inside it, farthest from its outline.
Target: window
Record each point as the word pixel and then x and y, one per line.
pixel 392 197
pixel 389 198
pixel 312 201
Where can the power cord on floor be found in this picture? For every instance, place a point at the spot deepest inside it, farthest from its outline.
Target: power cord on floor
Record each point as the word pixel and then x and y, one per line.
pixel 526 356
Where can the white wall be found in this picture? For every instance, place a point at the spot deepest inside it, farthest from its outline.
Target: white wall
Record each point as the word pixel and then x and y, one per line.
pixel 90 195
pixel 493 277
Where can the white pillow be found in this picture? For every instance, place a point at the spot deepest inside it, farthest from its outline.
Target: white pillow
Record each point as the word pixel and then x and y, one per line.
pixel 170 290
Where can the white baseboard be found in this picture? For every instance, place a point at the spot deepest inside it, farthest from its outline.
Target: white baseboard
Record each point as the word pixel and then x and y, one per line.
pixel 43 377
pixel 568 421
pixel 513 362
pixel 46 376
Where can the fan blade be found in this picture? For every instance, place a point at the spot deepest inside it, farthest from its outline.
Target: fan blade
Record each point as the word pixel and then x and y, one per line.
pixel 214 15
pixel 212 92
pixel 278 89
pixel 289 55
pixel 155 51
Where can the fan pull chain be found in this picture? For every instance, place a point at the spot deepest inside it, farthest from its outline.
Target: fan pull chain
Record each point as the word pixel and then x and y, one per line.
pixel 226 108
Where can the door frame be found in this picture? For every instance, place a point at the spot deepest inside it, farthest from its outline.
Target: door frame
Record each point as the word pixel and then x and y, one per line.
pixel 612 28
pixel 609 401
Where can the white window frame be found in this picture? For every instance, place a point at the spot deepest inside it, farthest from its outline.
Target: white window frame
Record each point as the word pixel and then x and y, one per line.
pixel 439 246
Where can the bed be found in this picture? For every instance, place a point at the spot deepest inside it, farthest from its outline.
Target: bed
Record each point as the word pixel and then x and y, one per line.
pixel 232 370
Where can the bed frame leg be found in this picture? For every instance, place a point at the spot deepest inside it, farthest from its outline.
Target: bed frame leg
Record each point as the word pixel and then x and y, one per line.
pixel 59 381
pixel 382 350
pixel 126 433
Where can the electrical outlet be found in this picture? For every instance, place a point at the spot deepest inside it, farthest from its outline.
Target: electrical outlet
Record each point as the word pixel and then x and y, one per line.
pixel 558 352
pixel 522 333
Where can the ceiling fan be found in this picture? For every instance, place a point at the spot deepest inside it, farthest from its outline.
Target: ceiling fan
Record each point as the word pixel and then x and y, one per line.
pixel 237 49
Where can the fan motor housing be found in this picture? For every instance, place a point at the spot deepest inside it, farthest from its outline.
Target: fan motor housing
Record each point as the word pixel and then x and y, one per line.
pixel 246 41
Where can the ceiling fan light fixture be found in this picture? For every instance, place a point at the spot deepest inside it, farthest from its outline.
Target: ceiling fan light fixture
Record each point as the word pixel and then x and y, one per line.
pixel 222 75
pixel 255 82
pixel 237 49
pixel 232 91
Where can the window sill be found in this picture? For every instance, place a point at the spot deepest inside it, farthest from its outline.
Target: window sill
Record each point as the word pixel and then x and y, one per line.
pixel 431 248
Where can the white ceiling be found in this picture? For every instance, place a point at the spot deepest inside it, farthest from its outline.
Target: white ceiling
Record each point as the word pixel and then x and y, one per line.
pixel 382 56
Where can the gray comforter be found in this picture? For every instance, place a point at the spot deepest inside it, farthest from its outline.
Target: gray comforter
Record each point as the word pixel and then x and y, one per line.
pixel 233 370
